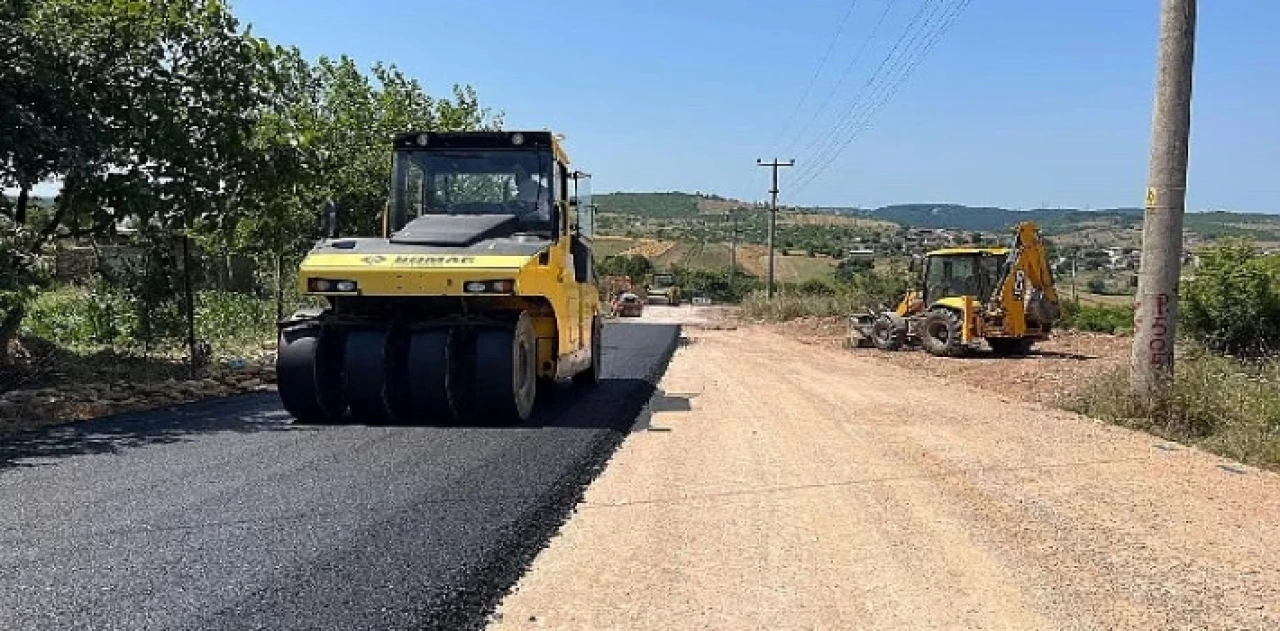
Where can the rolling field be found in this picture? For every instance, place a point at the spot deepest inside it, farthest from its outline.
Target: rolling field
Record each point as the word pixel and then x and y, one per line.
pixel 696 256
pixel 787 269
pixel 814 219
pixel 609 246
pixel 716 256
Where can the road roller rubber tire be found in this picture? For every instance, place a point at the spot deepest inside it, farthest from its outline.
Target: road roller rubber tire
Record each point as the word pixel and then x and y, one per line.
pixel 368 368
pixel 309 374
pixel 505 373
pixel 427 376
pixel 591 376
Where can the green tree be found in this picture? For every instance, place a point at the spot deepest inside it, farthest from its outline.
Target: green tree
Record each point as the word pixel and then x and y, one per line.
pixel 637 267
pixel 1231 304
pixel 139 107
pixel 168 114
pixel 848 268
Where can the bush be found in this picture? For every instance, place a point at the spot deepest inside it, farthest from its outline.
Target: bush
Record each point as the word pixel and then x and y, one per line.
pixel 636 266
pixel 848 268
pixel 97 315
pixel 1097 319
pixel 1232 305
pixel 816 287
pixel 791 305
pixel 232 322
pixel 1226 405
pixel 715 284
pixel 818 298
pixel 81 316
pixel 1097 286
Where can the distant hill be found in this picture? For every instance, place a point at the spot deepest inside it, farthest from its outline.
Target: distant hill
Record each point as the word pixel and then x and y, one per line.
pixel 1210 225
pixel 1053 221
pixel 669 205
pixel 985 218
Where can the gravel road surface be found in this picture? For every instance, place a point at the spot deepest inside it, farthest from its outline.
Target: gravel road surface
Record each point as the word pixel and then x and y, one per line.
pixel 793 486
pixel 225 515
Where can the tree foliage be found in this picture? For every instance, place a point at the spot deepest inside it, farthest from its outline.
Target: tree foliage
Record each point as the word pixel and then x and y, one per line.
pixel 635 266
pixel 1232 304
pixel 168 115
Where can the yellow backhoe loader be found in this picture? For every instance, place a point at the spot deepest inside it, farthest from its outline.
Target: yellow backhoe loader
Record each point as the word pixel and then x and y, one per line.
pixel 480 287
pixel 1001 295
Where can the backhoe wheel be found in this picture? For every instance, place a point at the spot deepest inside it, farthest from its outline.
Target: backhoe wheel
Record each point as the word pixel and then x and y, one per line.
pixel 591 376
pixel 506 373
pixel 427 376
pixel 940 333
pixel 1010 346
pixel 885 335
pixel 309 374
pixel 371 367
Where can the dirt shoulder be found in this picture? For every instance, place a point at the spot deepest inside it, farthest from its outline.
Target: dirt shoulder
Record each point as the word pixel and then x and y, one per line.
pixel 1056 368
pixel 779 484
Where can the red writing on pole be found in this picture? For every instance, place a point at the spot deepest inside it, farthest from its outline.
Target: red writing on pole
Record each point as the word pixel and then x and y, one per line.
pixel 1159 344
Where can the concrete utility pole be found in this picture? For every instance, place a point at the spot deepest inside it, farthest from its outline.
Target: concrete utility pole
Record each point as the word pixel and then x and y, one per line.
pixel 1156 313
pixel 773 212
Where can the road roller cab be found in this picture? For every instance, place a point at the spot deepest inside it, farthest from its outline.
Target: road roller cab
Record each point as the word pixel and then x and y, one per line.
pixel 480 288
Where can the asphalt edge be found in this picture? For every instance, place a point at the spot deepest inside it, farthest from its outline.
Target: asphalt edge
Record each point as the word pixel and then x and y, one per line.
pixel 472 604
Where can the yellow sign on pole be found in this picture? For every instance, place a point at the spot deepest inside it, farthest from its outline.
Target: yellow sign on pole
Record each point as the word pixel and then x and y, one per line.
pixel 1151 198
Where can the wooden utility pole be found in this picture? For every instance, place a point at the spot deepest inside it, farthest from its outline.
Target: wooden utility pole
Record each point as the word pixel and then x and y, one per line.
pixel 733 246
pixel 1156 313
pixel 1074 298
pixel 773 213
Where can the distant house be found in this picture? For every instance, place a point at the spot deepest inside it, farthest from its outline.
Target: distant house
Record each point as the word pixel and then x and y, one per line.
pixel 860 253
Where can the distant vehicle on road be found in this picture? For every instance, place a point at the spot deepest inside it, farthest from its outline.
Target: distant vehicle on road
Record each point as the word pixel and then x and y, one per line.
pixel 628 305
pixel 662 287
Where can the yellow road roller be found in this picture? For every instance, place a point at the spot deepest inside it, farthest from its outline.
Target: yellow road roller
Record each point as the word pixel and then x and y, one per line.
pixel 479 291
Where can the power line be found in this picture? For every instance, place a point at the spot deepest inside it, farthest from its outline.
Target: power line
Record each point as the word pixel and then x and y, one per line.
pixel 816 73
pixel 853 61
pixel 883 92
pixel 887 96
pixel 821 144
pixel 869 112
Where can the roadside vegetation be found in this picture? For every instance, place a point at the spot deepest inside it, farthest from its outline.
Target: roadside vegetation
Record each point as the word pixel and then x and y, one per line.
pixel 190 185
pixel 855 288
pixel 1227 405
pixel 1226 391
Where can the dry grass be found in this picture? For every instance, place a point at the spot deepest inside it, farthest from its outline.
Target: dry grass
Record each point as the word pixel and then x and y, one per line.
pixel 787 269
pixel 1104 300
pixel 609 246
pixel 838 220
pixel 790 306
pixel 1225 405
pixel 649 248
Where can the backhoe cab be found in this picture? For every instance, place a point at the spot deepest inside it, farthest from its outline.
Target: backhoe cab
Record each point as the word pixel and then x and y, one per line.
pixel 479 288
pixel 1003 295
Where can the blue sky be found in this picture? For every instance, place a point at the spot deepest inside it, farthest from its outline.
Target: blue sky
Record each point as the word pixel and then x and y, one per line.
pixel 1021 103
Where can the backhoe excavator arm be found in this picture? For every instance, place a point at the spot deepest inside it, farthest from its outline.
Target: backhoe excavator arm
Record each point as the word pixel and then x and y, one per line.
pixel 1027 269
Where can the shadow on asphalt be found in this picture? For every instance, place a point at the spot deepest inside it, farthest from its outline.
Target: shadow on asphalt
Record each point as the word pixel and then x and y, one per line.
pixel 113 434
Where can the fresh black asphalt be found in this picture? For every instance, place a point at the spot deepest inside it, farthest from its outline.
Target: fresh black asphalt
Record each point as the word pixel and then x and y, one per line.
pixel 226 515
